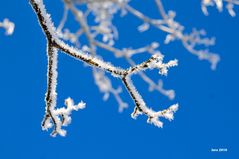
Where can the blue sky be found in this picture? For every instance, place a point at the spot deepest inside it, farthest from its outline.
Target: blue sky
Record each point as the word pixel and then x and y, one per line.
pixel 208 114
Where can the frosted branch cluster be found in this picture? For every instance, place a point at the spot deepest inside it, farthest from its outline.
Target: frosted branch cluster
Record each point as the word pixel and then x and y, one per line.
pixel 219 4
pixel 60 117
pixel 102 34
pixel 8 26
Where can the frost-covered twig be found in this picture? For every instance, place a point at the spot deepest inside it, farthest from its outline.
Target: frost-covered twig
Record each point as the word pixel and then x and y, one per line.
pixel 167 24
pixel 127 52
pixel 105 86
pixel 99 76
pixel 8 26
pixel 60 117
pixel 219 4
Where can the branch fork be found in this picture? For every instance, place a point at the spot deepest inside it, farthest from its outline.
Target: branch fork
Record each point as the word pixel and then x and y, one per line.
pixel 61 117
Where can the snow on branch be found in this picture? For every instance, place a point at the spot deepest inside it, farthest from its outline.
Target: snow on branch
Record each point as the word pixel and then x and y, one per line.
pixel 57 118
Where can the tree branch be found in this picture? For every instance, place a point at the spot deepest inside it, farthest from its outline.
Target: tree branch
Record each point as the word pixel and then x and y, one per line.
pixel 59 116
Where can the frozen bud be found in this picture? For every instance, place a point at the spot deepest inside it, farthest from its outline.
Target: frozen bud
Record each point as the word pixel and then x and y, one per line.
pixel 174 107
pixel 122 106
pixel 169 116
pixel 144 27
pixel 69 102
pixel 206 2
pixel 62 132
pixel 171 14
pixel 219 4
pixel 81 105
pixel 172 63
pixel 86 48
pixel 8 26
pixel 230 9
pixel 170 94
pixel 106 96
pixel 154 45
pixel 169 38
